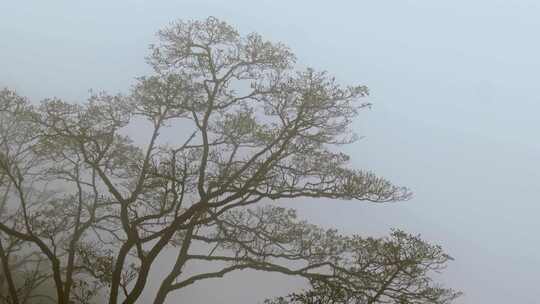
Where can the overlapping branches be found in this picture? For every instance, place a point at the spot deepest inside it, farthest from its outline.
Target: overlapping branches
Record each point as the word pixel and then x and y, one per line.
pixel 248 128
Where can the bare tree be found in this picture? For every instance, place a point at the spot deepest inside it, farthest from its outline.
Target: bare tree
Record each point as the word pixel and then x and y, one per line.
pixel 249 129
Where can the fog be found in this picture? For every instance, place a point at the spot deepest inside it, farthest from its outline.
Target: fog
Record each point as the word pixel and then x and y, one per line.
pixel 455 91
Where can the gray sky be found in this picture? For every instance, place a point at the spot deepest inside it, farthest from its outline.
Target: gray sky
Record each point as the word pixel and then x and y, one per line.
pixel 455 88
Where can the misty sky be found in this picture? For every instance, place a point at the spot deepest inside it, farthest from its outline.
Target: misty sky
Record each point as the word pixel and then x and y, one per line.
pixel 455 87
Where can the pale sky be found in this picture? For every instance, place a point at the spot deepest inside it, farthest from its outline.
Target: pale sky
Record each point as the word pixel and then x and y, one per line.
pixel 455 117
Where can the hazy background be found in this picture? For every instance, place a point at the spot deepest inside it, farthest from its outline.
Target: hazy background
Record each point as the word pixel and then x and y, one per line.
pixel 455 87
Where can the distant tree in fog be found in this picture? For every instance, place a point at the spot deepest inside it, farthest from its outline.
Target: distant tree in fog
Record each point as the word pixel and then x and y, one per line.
pixel 86 211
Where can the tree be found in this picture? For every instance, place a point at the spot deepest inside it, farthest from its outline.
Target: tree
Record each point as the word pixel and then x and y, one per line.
pixel 249 129
pixel 388 270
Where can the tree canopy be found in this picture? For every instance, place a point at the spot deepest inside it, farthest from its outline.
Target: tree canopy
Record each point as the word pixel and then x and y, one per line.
pixel 87 209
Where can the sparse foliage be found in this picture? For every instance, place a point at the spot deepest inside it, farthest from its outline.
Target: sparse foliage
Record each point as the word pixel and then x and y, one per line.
pixel 89 210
